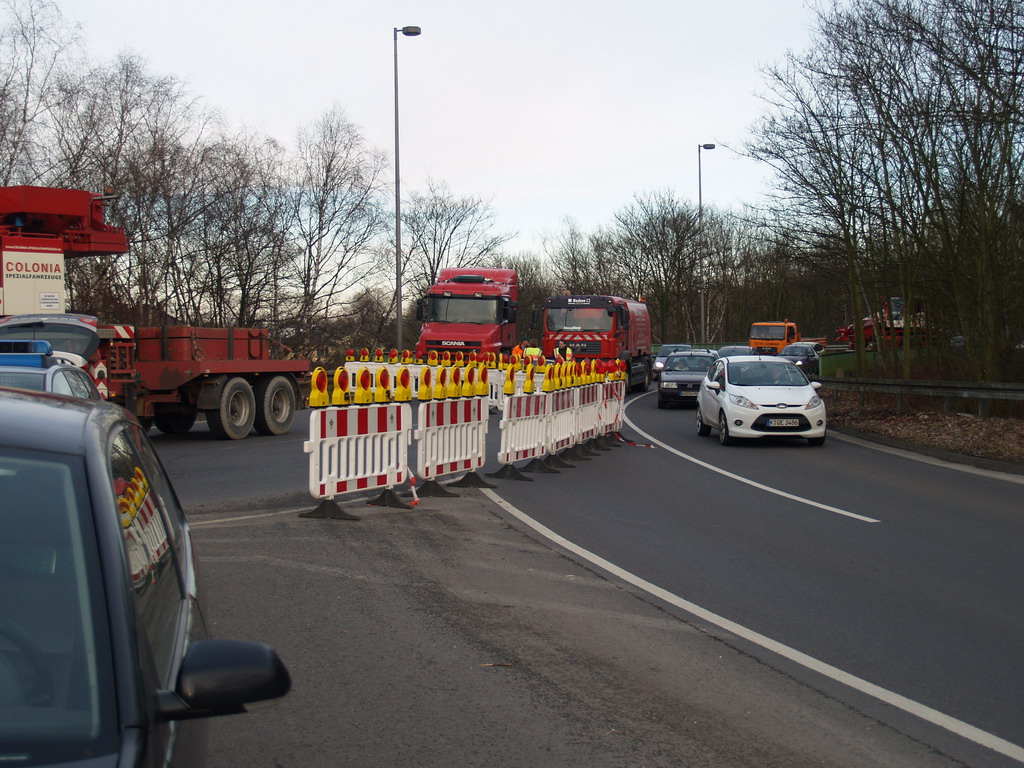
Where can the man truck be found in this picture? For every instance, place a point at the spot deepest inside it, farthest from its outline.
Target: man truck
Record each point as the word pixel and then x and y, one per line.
pixel 601 327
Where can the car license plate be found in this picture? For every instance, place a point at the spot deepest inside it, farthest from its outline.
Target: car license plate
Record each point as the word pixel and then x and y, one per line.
pixel 783 422
pixel 688 393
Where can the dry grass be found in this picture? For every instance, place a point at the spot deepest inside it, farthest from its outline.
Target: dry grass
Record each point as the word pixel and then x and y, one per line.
pixel 997 438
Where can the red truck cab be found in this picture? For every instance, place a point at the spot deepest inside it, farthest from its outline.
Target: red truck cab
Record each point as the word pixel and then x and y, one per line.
pixel 469 310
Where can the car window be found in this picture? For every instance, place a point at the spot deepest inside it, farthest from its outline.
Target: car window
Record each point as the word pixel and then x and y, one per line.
pixel 81 384
pixel 23 380
pixel 56 681
pixel 61 384
pixel 151 528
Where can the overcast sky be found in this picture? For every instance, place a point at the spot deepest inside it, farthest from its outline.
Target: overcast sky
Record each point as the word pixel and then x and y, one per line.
pixel 547 109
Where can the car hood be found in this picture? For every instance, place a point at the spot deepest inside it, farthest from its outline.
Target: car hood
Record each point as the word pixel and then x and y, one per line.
pixel 682 375
pixel 775 395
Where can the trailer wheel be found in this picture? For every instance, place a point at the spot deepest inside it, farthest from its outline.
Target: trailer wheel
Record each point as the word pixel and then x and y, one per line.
pixel 174 422
pixel 275 405
pixel 234 417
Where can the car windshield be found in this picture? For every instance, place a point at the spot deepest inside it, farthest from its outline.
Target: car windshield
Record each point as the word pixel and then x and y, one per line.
pixel 67 337
pixel 689 363
pixel 796 351
pixel 451 309
pixel 56 684
pixel 668 349
pixel 764 373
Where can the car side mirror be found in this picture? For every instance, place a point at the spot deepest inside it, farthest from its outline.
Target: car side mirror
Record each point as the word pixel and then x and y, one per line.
pixel 816 384
pixel 713 385
pixel 219 677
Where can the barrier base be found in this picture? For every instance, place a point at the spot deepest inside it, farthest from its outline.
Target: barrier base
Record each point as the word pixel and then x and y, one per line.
pixel 554 460
pixel 538 465
pixel 510 471
pixel 595 444
pixel 432 488
pixel 573 452
pixel 613 440
pixel 471 480
pixel 328 509
pixel 388 498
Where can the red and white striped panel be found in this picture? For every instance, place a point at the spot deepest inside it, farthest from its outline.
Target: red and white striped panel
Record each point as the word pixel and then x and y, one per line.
pixel 358 448
pixel 122 331
pixel 523 428
pixel 451 436
pixel 562 426
pixel 577 336
pixel 590 412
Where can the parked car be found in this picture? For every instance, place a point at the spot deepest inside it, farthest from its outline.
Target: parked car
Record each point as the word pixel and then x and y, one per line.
pixel 104 658
pixel 806 354
pixel 759 396
pixel 736 349
pixel 33 365
pixel 682 375
pixel 664 352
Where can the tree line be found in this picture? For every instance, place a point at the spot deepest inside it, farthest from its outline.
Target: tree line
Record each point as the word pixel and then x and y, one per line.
pixel 894 138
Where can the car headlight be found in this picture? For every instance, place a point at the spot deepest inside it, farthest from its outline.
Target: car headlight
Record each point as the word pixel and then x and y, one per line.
pixel 669 385
pixel 658 365
pixel 742 402
pixel 813 403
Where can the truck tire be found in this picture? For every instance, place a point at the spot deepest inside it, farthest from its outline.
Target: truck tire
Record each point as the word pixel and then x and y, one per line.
pixel 275 405
pixel 234 417
pixel 174 422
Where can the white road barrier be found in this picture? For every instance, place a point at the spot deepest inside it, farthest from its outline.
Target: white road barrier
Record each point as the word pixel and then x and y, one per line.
pixel 358 448
pixel 451 436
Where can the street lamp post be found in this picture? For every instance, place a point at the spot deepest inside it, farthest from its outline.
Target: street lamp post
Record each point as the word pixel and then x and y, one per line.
pixel 700 245
pixel 408 32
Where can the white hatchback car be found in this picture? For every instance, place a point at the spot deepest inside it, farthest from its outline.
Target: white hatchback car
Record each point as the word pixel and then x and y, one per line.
pixel 759 396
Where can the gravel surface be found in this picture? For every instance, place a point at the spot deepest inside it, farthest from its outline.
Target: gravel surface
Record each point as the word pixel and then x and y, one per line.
pixel 993 438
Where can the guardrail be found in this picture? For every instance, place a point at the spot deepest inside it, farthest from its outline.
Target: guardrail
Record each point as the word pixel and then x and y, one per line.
pixel 983 392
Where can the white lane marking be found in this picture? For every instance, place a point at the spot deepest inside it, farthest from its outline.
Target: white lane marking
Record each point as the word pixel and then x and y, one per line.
pixel 958 727
pixel 747 481
pixel 193 523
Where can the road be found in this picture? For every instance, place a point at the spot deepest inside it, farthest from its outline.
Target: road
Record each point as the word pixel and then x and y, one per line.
pixel 767 604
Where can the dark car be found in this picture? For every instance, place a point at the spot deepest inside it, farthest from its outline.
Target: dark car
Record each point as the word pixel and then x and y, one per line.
pixel 805 354
pixel 103 654
pixel 663 352
pixel 682 375
pixel 736 349
pixel 33 365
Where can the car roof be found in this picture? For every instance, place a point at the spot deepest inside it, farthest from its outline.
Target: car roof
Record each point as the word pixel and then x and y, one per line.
pixel 42 421
pixel 693 353
pixel 754 358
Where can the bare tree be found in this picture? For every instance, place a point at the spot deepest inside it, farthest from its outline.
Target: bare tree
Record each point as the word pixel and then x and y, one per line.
pixel 446 231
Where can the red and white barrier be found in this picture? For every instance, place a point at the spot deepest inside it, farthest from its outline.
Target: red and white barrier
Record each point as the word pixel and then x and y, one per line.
pixel 451 436
pixel 562 421
pixel 358 448
pixel 523 428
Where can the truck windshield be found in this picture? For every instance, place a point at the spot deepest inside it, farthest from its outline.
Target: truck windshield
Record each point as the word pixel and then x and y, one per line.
pixel 768 332
pixel 578 319
pixel 457 309
pixel 79 339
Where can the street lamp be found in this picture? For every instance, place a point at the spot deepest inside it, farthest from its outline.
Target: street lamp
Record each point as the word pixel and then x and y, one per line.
pixel 408 32
pixel 700 245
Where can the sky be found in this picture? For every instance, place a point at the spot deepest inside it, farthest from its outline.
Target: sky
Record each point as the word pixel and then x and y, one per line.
pixel 546 109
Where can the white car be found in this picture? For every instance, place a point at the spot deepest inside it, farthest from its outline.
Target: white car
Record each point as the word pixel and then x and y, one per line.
pixel 759 396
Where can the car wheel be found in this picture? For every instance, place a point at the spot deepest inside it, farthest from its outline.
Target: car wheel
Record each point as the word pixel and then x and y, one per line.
pixel 816 440
pixel 702 429
pixel 723 430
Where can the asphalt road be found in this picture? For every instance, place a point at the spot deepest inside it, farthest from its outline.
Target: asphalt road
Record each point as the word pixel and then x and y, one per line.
pixel 456 634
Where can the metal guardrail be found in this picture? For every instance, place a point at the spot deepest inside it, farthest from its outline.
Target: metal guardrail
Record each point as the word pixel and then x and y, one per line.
pixel 983 392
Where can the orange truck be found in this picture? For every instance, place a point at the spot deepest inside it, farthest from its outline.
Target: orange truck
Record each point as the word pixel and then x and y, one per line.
pixel 768 338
